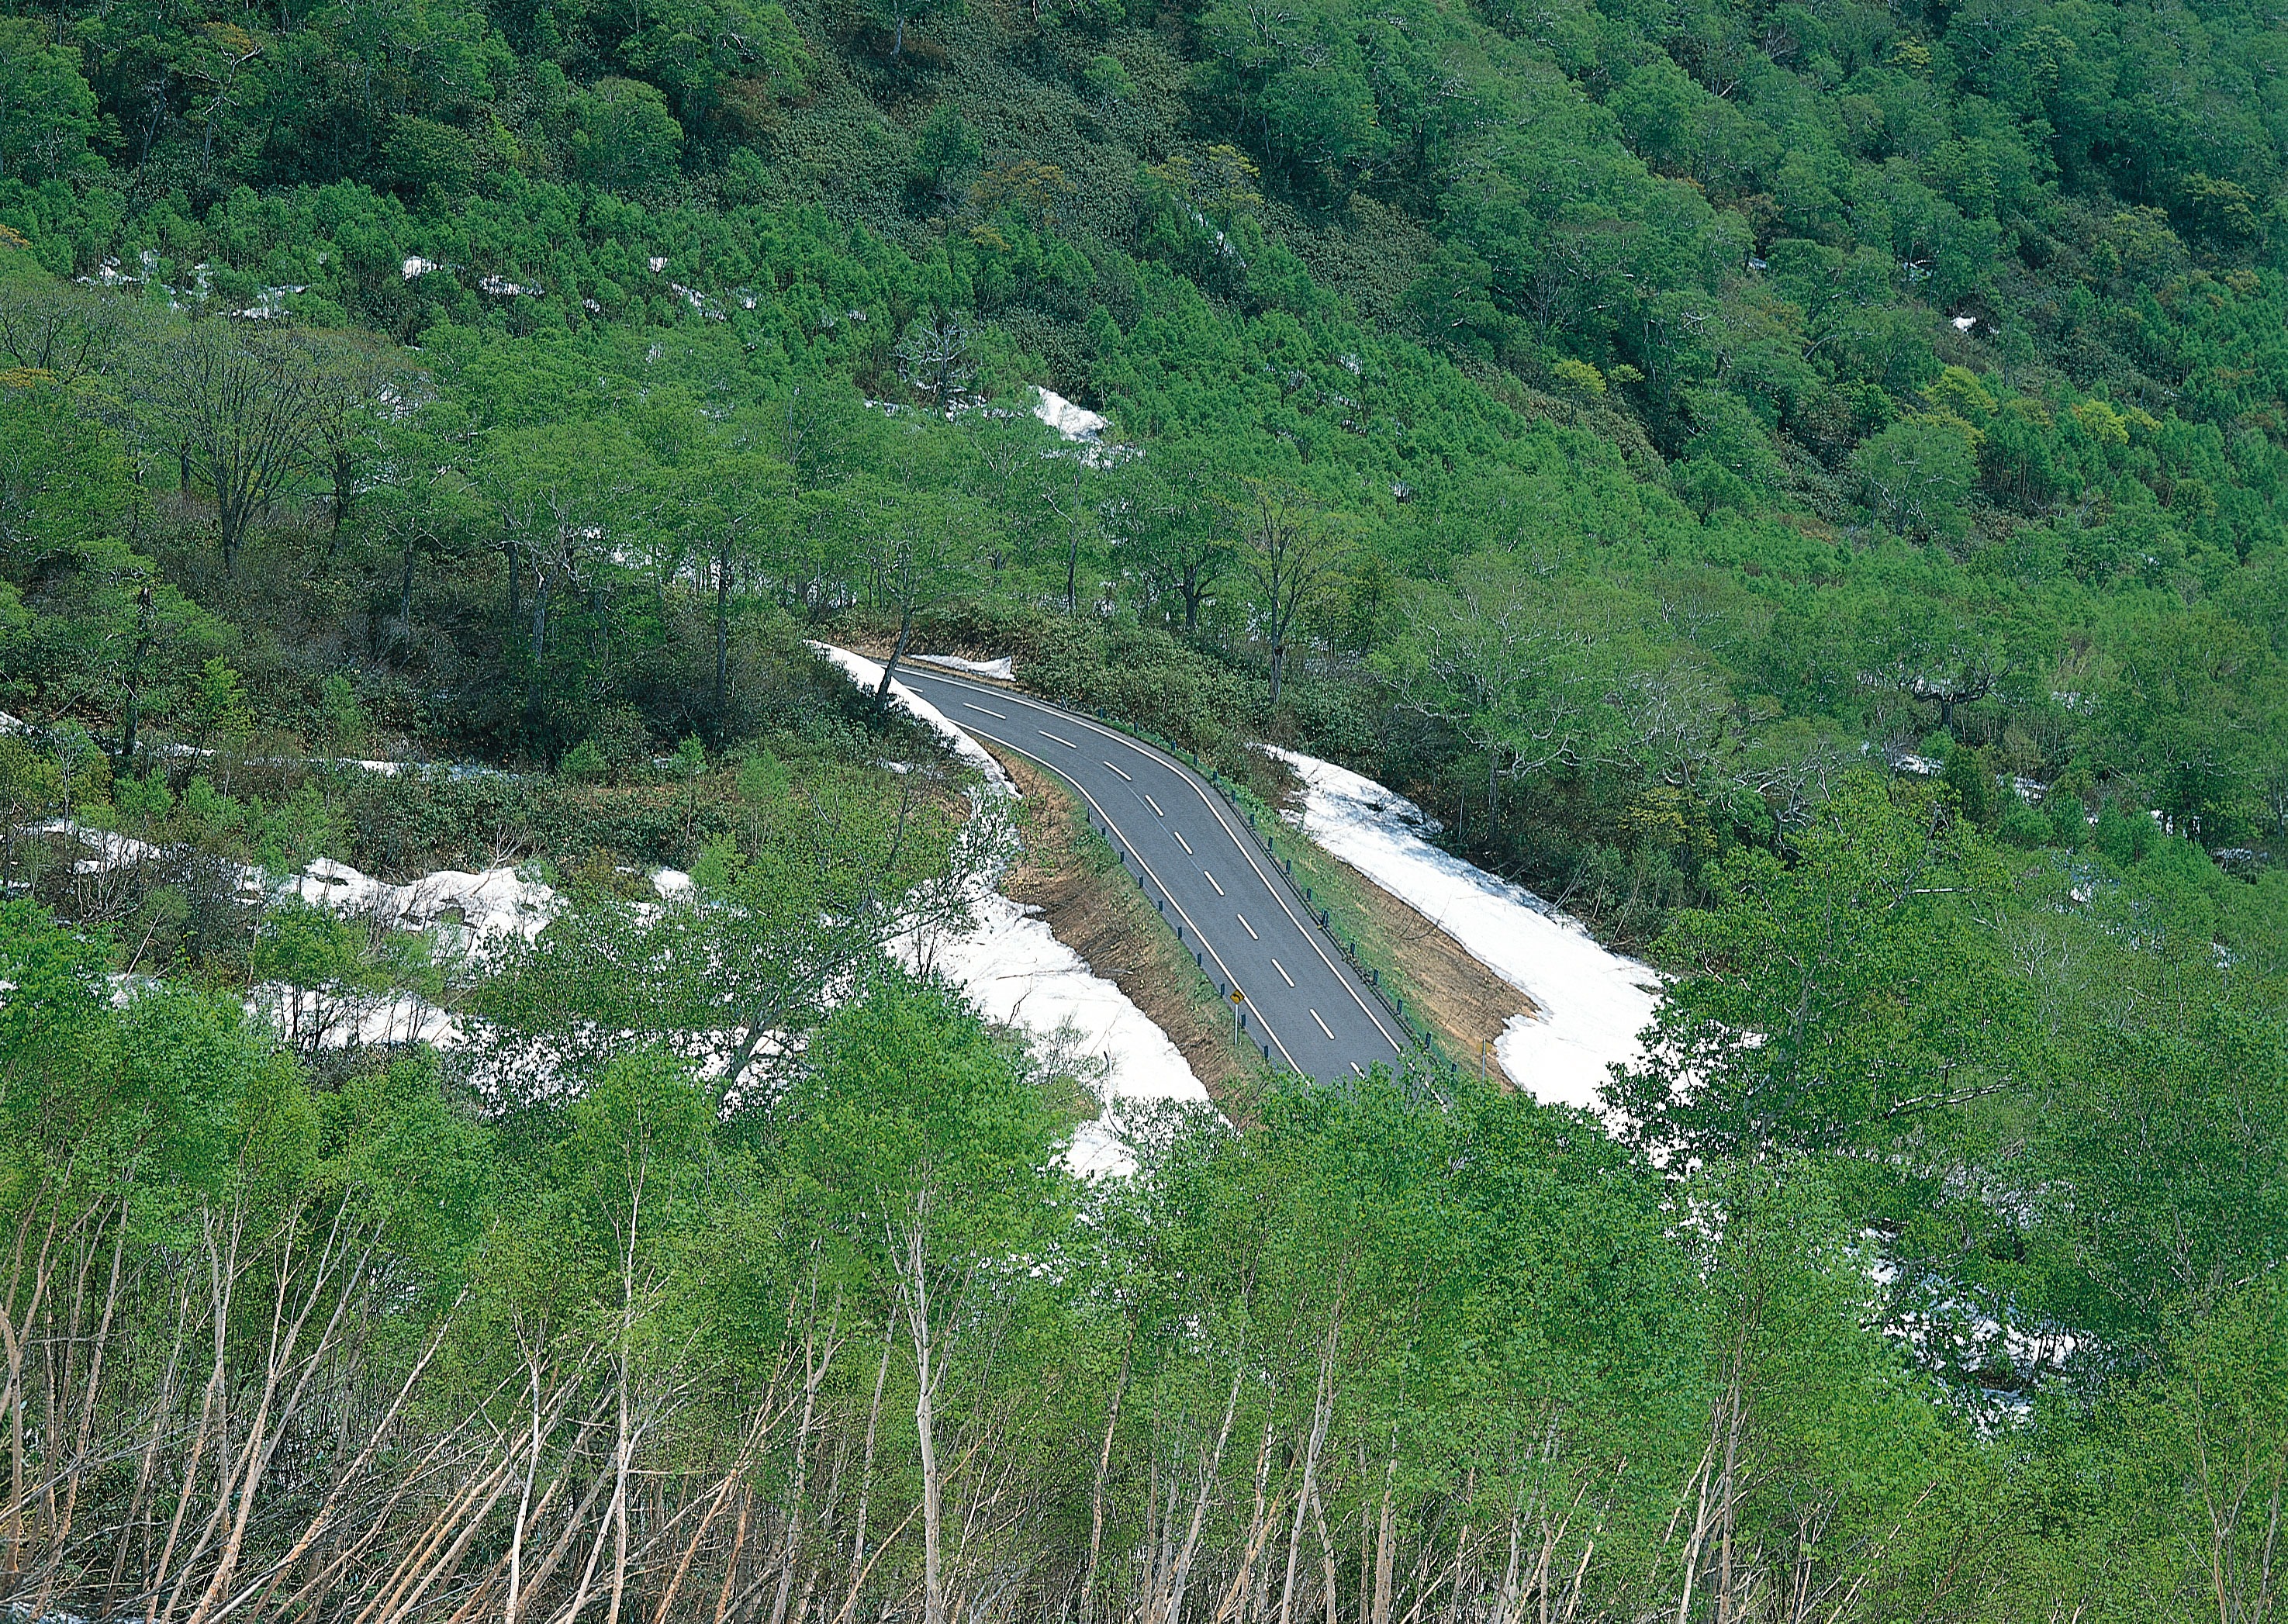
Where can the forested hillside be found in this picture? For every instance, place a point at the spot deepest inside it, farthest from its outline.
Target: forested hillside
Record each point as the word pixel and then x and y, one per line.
pixel 1798 484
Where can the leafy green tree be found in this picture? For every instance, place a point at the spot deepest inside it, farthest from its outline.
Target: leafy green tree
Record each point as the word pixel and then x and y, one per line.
pixel 938 1151
pixel 623 136
pixel 748 961
pixel 48 115
pixel 1916 476
pixel 1845 994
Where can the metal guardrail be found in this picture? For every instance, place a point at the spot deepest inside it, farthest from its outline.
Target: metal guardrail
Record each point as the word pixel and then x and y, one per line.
pixel 1370 975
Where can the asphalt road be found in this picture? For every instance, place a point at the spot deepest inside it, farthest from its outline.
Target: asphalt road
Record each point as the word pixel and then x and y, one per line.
pixel 1197 856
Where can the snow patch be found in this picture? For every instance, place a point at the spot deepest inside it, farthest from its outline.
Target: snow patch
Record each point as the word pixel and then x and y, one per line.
pixel 112 850
pixel 492 902
pixel 1004 669
pixel 867 675
pixel 1073 422
pixel 1018 974
pixel 1590 1004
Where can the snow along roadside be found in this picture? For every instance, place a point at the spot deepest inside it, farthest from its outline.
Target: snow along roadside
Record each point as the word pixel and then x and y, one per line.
pixel 1020 975
pixel 867 675
pixel 1590 1004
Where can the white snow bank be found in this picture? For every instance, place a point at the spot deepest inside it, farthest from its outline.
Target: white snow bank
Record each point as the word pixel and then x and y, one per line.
pixel 1020 975
pixel 311 1019
pixel 1005 668
pixel 112 850
pixel 1073 422
pixel 494 902
pixel 1591 1003
pixel 867 675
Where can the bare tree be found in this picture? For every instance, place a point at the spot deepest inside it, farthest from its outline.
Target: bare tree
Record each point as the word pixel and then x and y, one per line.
pixel 1293 552
pixel 53 328
pixel 1166 521
pixel 935 361
pixel 1070 495
pixel 353 388
pixel 237 404
pixel 917 557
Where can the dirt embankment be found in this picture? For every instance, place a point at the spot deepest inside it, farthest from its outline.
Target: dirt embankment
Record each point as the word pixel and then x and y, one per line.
pixel 1463 1002
pixel 1093 907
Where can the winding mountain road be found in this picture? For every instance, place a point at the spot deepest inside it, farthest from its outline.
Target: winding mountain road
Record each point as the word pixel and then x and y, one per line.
pixel 1196 858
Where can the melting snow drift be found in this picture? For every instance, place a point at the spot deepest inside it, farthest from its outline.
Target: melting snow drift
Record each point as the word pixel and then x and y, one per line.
pixel 1005 668
pixel 1592 1003
pixel 1021 975
pixel 1073 422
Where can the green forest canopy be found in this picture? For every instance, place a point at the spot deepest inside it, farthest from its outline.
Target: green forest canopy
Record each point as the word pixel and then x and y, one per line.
pixel 1797 482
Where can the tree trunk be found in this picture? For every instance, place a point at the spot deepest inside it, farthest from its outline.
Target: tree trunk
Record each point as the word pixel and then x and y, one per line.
pixel 897 651
pixel 722 634
pixel 130 710
pixel 926 1435
pixel 1096 1492
pixel 405 601
pixel 1183 1570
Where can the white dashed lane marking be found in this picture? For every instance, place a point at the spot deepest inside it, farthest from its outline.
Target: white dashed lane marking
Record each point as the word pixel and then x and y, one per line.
pixel 1183 842
pixel 1219 889
pixel 1068 743
pixel 1155 806
pixel 981 711
pixel 1124 777
pixel 1244 925
pixel 1282 969
pixel 1322 1026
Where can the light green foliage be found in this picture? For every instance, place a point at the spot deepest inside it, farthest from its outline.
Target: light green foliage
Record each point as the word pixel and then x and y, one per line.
pixel 1916 476
pixel 623 135
pixel 1700 413
pixel 749 961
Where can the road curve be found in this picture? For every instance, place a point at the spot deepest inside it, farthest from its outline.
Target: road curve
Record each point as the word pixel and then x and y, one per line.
pixel 1196 858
